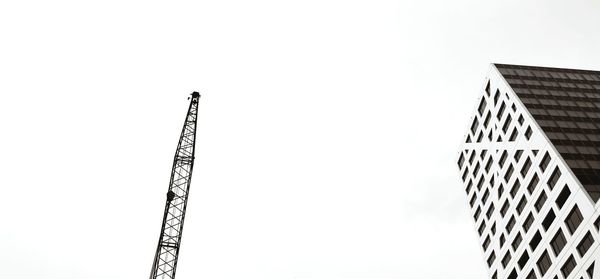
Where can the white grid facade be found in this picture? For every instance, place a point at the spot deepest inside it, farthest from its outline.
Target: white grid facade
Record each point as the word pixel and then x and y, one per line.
pixel 533 217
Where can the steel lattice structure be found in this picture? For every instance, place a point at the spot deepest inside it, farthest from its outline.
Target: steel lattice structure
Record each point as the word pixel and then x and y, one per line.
pixel 167 251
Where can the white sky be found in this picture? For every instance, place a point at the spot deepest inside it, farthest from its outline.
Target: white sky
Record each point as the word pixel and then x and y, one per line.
pixel 327 135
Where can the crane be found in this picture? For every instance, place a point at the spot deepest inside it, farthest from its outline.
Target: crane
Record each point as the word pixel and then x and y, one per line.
pixel 167 250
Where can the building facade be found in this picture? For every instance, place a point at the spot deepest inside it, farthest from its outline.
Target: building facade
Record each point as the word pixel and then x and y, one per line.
pixel 530 167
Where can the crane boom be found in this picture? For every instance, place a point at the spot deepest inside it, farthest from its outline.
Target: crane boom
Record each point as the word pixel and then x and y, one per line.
pixel 167 251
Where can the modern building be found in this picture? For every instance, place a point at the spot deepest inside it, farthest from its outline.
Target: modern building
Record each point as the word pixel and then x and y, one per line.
pixel 530 167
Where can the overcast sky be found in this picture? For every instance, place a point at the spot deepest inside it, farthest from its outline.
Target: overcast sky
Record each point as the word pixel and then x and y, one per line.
pixel 327 135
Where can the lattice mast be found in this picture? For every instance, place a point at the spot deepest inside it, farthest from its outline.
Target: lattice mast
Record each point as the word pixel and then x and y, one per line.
pixel 167 251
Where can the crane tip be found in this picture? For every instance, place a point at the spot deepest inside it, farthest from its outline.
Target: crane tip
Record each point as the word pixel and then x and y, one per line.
pixel 195 94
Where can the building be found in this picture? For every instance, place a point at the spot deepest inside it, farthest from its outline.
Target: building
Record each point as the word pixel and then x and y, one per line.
pixel 530 167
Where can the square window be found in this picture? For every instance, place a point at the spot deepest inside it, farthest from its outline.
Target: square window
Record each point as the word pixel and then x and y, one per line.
pixel 523 259
pixel 490 211
pixel 535 241
pixel 516 241
pixel 510 224
pixel 521 204
pixel 545 161
pixel 554 178
pixel 568 266
pixel 543 263
pixel 549 219
pixel 525 167
pixel 491 259
pixel 563 196
pixel 540 201
pixel 521 119
pixel 518 155
pixel 482 105
pixel 506 259
pixel 585 244
pixel 533 183
pixel 528 222
pixel 574 219
pixel 504 208
pixel 558 242
pixel 528 133
pixel 515 188
pixel 486 243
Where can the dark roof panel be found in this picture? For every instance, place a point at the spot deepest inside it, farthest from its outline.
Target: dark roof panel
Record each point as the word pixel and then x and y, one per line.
pixel 566 105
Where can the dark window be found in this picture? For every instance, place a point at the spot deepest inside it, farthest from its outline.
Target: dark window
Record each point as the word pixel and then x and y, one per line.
pixel 508 173
pixel 503 158
pixel 535 241
pixel 531 275
pixel 521 119
pixel 491 259
pixel 574 219
pixel 516 241
pixel 558 242
pixel 473 199
pixel 515 188
pixel 533 183
pixel 474 125
pixel 502 239
pixel 476 170
pixel 469 186
pixel 554 178
pixel 504 208
pixel 513 274
pixel 472 157
pixel 568 267
pixel 521 205
pixel 487 88
pixel 481 228
pixel 590 271
pixel 528 133
pixel 518 154
pixel 563 196
pixel 480 183
pixel 506 259
pixel 500 111
pixel 513 107
pixel 500 190
pixel 482 106
pixel 486 194
pixel 513 135
pixel 490 211
pixel 493 228
pixel 461 161
pixel 543 263
pixel 465 173
pixel 540 201
pixel 486 243
pixel 525 167
pixel 496 96
pixel 528 222
pixel 488 164
pixel 597 223
pixel 523 259
pixel 585 244
pixel 549 219
pixel 477 213
pixel 486 121
pixel 545 161
pixel 510 224
pixel 480 136
pixel 506 123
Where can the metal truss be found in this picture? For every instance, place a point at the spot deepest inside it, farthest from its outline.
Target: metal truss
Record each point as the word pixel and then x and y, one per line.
pixel 167 251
